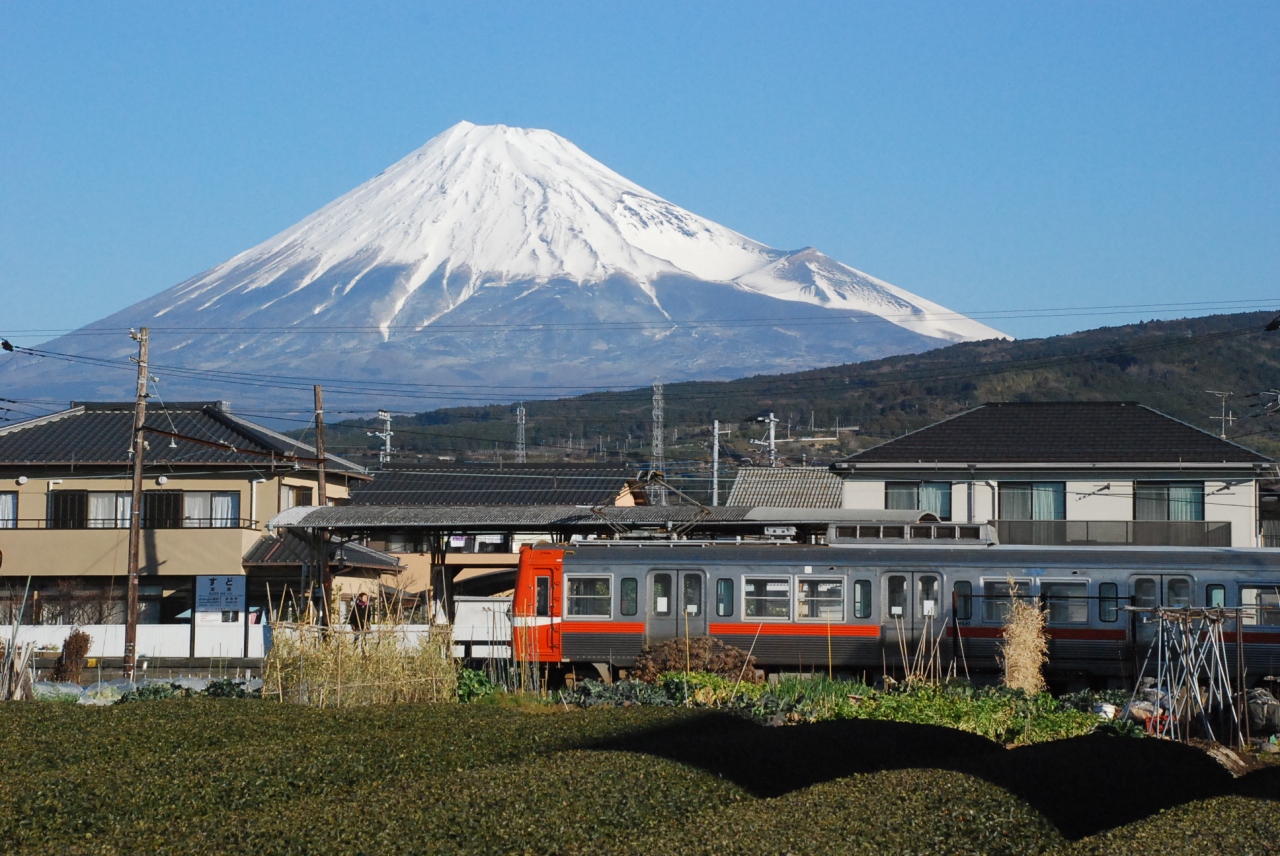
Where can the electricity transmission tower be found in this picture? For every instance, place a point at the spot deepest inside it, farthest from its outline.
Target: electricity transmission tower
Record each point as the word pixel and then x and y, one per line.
pixel 658 464
pixel 520 434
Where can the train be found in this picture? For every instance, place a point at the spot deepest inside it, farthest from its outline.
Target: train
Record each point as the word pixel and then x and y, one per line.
pixel 866 609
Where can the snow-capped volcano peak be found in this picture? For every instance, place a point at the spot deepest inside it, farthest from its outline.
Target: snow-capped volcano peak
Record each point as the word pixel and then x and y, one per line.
pixel 492 204
pixel 497 255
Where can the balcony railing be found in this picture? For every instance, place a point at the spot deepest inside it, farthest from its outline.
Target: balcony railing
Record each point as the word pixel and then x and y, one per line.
pixel 1141 533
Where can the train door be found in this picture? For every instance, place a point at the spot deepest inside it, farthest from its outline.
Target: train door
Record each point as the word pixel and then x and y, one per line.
pixel 1152 590
pixel 913 602
pixel 676 604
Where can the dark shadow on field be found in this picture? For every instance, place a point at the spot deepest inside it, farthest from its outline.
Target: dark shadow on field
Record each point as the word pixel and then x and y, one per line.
pixel 1083 786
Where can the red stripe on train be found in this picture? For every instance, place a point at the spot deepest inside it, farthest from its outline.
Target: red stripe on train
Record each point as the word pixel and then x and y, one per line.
pixel 601 627
pixel 1255 638
pixel 823 630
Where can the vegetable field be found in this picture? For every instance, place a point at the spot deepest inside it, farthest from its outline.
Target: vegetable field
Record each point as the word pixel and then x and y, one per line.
pixel 229 775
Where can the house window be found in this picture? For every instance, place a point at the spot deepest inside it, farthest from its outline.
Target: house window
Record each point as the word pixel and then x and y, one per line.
pixel 766 597
pixel 1033 501
pixel 589 596
pixel 68 509
pixel 8 511
pixel 934 497
pixel 1168 501
pixel 109 510
pixel 202 509
pixel 291 495
pixel 820 599
pixel 162 509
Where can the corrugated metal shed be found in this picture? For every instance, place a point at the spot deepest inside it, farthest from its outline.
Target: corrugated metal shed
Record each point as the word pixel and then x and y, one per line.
pixel 786 487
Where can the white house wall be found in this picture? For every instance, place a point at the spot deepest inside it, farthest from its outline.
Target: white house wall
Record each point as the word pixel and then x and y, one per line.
pixel 1099 500
pixel 1234 501
pixel 867 495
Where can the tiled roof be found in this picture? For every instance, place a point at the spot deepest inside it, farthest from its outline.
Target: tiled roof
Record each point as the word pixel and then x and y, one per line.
pixel 528 484
pixel 1059 432
pixel 101 433
pixel 291 549
pixel 786 487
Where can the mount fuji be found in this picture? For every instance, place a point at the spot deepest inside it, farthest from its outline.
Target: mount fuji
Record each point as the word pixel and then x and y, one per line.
pixel 493 263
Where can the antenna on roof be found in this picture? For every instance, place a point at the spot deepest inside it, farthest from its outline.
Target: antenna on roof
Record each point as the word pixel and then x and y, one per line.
pixel 1227 418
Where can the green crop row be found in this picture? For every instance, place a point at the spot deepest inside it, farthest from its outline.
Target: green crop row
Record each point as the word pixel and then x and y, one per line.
pixel 206 775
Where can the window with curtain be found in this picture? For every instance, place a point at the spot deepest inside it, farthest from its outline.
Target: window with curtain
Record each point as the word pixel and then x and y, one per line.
pixel 934 497
pixel 1033 500
pixel 8 511
pixel 224 509
pixel 1168 501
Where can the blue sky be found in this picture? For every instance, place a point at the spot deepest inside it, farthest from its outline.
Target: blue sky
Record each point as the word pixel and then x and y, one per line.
pixel 987 156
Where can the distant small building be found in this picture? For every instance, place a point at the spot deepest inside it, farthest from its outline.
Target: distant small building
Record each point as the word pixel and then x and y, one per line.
pixel 1070 473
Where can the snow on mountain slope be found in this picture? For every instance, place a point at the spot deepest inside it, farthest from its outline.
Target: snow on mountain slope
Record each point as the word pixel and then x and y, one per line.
pixel 506 257
pixel 485 204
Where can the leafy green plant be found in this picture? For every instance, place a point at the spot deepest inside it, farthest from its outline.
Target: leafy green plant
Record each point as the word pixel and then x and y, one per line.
pixel 473 685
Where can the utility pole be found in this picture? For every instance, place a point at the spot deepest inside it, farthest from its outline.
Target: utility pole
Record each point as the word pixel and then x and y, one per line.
pixel 1226 420
pixel 659 463
pixel 142 337
pixel 715 460
pixel 322 499
pixel 384 454
pixel 772 443
pixel 520 459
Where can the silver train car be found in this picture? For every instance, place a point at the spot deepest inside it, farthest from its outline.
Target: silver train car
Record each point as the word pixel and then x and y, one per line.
pixel 858 608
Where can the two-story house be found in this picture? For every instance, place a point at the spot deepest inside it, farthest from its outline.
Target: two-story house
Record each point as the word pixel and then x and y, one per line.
pixel 1069 473
pixel 210 482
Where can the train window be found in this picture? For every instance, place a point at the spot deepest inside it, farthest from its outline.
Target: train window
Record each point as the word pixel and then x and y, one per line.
pixel 1177 592
pixel 1144 593
pixel 995 601
pixel 1108 602
pixel 692 594
pixel 629 596
pixel 589 596
pixel 963 590
pixel 821 599
pixel 724 598
pixel 927 602
pixel 661 594
pixel 862 599
pixel 1261 604
pixel 1215 595
pixel 897 591
pixel 766 598
pixel 542 596
pixel 1067 603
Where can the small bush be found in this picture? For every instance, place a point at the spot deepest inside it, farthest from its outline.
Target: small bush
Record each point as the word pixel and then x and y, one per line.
pixel 703 654
pixel 75 653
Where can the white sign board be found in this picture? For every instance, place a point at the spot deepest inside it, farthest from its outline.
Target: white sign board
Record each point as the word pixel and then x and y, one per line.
pixel 219 594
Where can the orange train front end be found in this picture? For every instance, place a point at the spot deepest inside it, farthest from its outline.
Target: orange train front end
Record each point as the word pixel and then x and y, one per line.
pixel 535 608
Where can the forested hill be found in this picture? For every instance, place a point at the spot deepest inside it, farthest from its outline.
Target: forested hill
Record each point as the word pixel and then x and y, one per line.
pixel 1167 365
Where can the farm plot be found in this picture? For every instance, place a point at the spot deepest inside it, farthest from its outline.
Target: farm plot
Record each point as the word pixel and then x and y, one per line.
pixel 207 776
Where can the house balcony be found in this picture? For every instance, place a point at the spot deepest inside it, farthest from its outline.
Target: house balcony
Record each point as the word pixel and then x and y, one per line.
pixel 1137 533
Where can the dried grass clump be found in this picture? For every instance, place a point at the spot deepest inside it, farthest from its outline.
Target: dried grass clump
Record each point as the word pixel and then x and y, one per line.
pixel 1026 648
pixel 338 667
pixel 705 654
pixel 75 653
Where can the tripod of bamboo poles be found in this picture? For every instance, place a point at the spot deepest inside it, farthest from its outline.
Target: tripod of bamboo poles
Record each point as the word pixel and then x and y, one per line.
pixel 1194 685
pixel 925 664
